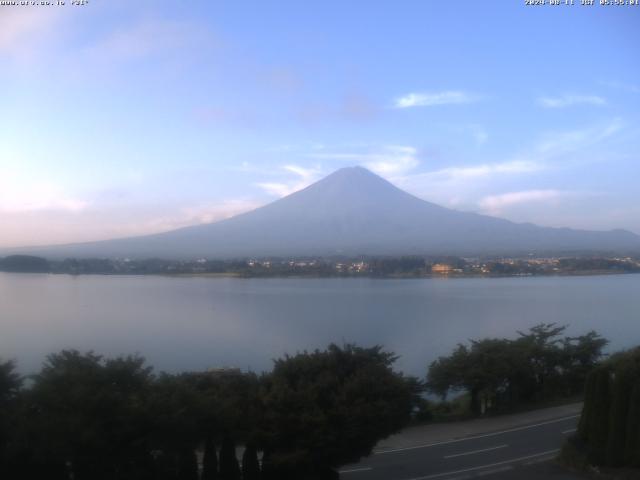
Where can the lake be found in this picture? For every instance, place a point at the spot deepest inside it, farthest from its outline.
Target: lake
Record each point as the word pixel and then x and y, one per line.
pixel 181 323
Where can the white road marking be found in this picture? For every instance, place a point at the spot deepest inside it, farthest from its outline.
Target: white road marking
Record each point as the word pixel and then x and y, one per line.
pixel 482 467
pixel 446 442
pixel 354 470
pixel 476 451
pixel 569 431
pixel 492 471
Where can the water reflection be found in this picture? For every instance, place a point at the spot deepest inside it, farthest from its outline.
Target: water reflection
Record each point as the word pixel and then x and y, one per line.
pixel 196 323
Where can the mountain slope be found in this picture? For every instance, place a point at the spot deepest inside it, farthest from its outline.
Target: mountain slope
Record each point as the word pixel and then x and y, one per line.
pixel 351 212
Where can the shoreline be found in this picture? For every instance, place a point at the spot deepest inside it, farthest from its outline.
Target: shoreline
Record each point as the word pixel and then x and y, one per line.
pixel 311 276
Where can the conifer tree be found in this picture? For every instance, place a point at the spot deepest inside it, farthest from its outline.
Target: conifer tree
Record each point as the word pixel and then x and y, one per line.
pixel 598 427
pixel 588 408
pixel 632 447
pixel 618 414
pixel 188 465
pixel 229 467
pixel 209 461
pixel 250 465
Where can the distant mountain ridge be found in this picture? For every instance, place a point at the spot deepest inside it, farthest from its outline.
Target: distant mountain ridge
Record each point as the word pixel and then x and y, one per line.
pixel 350 212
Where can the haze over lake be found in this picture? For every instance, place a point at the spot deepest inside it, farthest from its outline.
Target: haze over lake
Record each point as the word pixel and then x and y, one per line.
pixel 197 323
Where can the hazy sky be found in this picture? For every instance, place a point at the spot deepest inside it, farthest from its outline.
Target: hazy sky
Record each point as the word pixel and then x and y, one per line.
pixel 123 117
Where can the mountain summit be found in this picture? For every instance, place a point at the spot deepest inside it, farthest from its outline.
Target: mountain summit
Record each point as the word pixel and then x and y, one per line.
pixel 351 212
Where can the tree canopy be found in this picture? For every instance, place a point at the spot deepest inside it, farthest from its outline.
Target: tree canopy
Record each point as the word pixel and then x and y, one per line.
pixel 99 418
pixel 610 422
pixel 501 373
pixel 327 408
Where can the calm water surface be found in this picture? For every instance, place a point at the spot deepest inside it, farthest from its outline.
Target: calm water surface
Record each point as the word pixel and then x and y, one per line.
pixel 196 323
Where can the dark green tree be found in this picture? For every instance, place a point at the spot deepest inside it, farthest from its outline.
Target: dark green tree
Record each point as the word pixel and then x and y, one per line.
pixel 448 373
pixel 10 383
pixel 328 408
pixel 188 465
pixel 579 356
pixel 621 388
pixel 91 413
pixel 632 447
pixel 250 464
pixel 596 427
pixel 229 467
pixel 610 422
pixel 501 373
pixel 209 461
pixel 541 346
pixel 24 264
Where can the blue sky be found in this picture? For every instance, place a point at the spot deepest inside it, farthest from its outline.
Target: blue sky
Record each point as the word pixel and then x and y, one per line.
pixel 123 118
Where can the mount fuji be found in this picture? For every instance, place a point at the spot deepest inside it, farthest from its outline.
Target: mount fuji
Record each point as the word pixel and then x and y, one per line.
pixel 351 212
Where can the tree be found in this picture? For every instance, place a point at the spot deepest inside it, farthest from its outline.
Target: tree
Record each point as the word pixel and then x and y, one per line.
pixel 10 383
pixel 92 413
pixel 229 468
pixel 598 425
pixel 188 465
pixel 621 389
pixel 250 465
pixel 610 422
pixel 580 355
pixel 632 447
pixel 448 373
pixel 327 408
pixel 489 371
pixel 24 264
pixel 209 461
pixel 500 373
pixel 542 348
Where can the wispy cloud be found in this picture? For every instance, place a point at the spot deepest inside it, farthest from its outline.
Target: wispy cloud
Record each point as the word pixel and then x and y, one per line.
pixel 19 194
pixel 479 134
pixel 571 100
pixel 303 177
pixel 148 38
pixel 385 160
pixel 496 204
pixel 22 30
pixel 217 211
pixel 465 185
pixel 628 87
pixel 574 140
pixel 154 221
pixel 353 106
pixel 394 160
pixel 485 170
pixel 228 117
pixel 424 99
pixel 99 222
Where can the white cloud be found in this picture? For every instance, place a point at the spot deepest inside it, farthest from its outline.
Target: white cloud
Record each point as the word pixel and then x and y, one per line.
pixel 431 99
pixel 393 160
pixel 149 37
pixel 563 142
pixel 485 170
pixel 495 204
pixel 479 134
pixel 19 194
pixel 385 160
pixel 22 29
pixel 570 100
pixel 303 178
pixel 629 87
pixel 154 220
pixel 217 211
pixel 464 186
pixel 99 222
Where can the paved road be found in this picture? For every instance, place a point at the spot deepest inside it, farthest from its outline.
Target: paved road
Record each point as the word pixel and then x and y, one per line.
pixel 489 454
